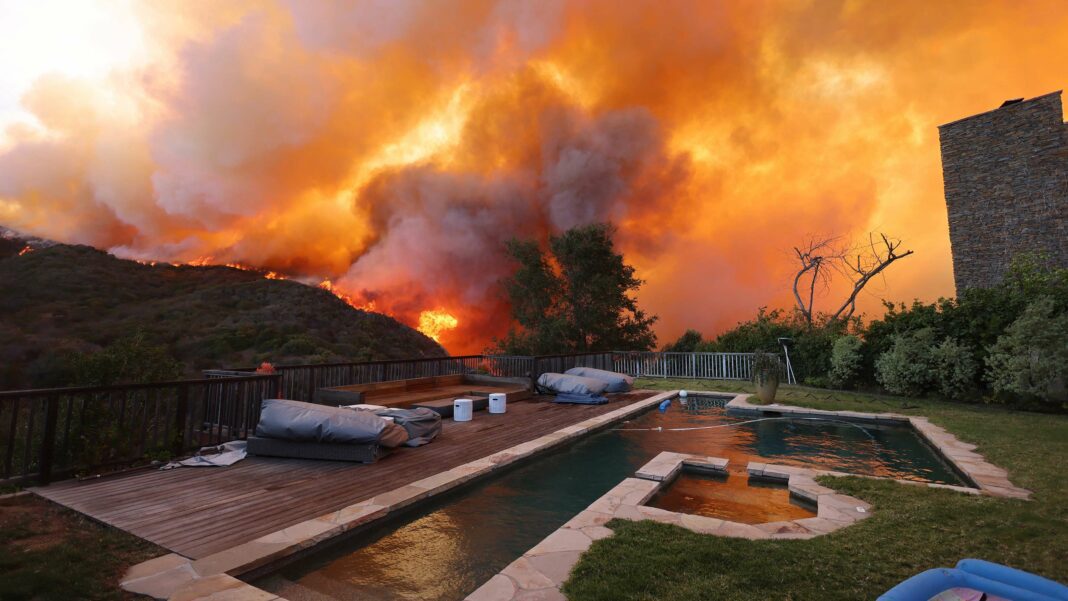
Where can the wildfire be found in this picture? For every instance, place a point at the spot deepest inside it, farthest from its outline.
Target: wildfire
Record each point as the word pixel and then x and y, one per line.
pixel 332 289
pixel 400 164
pixel 25 250
pixel 434 323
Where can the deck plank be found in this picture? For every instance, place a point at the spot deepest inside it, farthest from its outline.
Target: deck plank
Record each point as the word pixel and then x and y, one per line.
pixel 200 511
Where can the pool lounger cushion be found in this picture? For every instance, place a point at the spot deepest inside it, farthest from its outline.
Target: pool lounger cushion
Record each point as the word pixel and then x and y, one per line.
pixel 617 382
pixel 307 422
pixel 443 407
pixel 564 383
pixel 579 399
pixel 270 447
pixel 295 421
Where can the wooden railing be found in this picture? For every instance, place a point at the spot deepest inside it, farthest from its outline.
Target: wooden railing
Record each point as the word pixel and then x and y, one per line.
pixel 49 433
pixel 707 366
pixel 300 382
pixel 63 431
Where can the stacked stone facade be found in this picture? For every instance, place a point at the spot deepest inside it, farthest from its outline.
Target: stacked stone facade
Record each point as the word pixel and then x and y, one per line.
pixel 1006 184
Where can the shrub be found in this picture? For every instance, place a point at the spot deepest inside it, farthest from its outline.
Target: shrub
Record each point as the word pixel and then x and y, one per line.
pixel 846 362
pixel 810 354
pixel 955 369
pixel 907 367
pixel 127 360
pixel 300 344
pixel 1031 359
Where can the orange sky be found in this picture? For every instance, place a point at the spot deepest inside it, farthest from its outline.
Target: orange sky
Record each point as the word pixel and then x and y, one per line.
pixel 393 146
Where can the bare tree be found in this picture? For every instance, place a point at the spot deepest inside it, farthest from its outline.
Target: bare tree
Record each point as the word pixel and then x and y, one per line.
pixel 817 257
pixel 860 264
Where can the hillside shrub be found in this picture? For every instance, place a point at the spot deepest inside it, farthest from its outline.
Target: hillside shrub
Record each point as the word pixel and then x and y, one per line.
pixel 847 361
pixel 1031 359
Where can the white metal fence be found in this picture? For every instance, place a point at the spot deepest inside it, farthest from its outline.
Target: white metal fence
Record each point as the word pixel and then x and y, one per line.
pixel 705 366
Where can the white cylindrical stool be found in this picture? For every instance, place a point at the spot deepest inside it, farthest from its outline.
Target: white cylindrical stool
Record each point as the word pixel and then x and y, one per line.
pixel 498 402
pixel 462 410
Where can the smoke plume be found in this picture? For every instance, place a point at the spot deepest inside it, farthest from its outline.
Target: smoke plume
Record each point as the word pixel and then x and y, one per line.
pixel 394 146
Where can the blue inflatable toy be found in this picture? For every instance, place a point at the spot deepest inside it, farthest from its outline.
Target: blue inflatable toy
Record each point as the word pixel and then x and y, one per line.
pixel 982 576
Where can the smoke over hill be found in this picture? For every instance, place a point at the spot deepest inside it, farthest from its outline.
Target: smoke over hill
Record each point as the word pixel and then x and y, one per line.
pixel 392 147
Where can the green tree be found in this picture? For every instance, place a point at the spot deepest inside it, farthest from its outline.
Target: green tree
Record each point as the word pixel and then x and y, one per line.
pixel 574 298
pixel 687 343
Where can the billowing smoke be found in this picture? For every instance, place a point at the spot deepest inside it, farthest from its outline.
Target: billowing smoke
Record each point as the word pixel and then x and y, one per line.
pixel 394 146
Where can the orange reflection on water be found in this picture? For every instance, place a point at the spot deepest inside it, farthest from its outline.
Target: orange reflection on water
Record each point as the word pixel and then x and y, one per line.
pixel 735 498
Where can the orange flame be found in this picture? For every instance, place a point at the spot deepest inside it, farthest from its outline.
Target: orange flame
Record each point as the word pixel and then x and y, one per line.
pixel 332 289
pixel 483 122
pixel 435 322
pixel 25 250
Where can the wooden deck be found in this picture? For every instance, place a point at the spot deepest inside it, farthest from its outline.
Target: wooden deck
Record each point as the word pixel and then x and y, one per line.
pixel 200 511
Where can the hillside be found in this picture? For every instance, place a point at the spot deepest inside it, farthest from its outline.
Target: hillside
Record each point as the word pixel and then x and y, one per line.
pixel 62 298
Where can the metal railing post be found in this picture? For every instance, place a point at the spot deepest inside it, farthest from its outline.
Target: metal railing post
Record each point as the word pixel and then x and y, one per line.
pixel 180 418
pixel 48 441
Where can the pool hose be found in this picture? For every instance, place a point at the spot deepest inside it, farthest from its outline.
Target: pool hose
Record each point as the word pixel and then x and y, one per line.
pixel 751 421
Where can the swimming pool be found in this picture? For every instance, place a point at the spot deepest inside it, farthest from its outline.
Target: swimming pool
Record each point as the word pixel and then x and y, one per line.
pixel 449 546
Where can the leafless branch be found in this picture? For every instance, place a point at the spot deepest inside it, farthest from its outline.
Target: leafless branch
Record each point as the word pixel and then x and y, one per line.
pixel 815 257
pixel 870 261
pixel 819 257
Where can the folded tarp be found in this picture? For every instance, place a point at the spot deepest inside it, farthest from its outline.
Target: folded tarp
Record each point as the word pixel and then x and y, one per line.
pixel 563 383
pixel 305 422
pixel 617 382
pixel 579 399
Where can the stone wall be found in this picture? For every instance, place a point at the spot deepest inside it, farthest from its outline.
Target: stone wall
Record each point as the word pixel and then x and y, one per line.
pixel 1006 184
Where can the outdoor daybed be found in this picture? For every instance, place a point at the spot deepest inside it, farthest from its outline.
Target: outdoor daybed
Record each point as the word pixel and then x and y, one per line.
pixel 309 431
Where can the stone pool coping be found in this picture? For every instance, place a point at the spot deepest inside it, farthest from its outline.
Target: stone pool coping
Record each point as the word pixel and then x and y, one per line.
pixel 987 477
pixel 174 576
pixel 542 570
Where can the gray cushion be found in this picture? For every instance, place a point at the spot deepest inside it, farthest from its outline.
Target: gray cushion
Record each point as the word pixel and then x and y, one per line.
pixel 573 384
pixel 306 422
pixel 616 381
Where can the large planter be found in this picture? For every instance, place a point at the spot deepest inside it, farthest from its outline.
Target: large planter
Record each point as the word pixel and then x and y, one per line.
pixel 766 387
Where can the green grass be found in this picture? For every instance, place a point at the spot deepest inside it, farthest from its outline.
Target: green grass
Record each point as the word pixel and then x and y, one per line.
pixel 911 528
pixel 50 553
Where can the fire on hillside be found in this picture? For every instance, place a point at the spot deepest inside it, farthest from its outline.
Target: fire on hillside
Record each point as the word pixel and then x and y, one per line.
pixel 396 147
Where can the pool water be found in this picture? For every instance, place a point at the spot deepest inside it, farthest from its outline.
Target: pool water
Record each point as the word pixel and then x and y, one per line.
pixel 449 546
pixel 735 498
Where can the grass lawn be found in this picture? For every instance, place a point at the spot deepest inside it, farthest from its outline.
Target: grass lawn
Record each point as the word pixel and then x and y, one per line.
pixel 48 552
pixel 911 529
